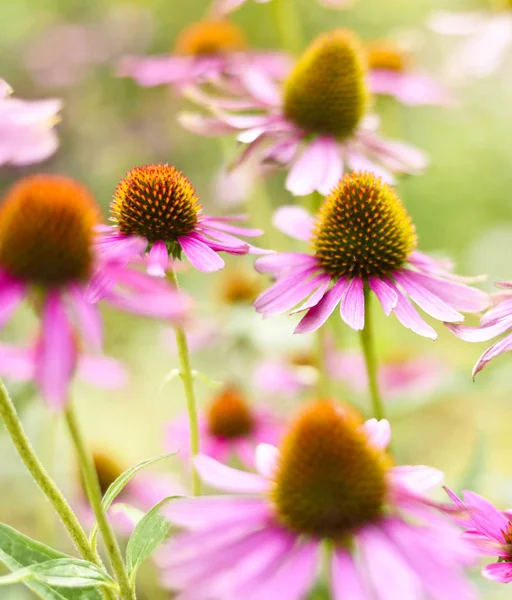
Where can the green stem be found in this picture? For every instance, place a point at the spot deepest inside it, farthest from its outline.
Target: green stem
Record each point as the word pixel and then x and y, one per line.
pixel 92 487
pixel 368 344
pixel 188 384
pixel 287 24
pixel 45 482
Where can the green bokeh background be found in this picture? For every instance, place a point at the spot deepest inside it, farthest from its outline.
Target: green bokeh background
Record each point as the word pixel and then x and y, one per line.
pixel 461 207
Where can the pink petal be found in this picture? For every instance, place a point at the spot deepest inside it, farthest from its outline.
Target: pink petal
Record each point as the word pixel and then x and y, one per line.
pixel 157 70
pixel 102 371
pixel 385 293
pixel 56 353
pixel 346 582
pixel 418 478
pixel 204 125
pixel 295 221
pixel 305 174
pixel 200 255
pixel 230 480
pixel 485 517
pixel 481 334
pixel 499 572
pixel 158 259
pixel 495 350
pixel 17 364
pixel 266 460
pixel 409 317
pixel 319 314
pixel 12 293
pixel 317 295
pixel 333 166
pixel 378 433
pixel 284 261
pixel 503 310
pixel 352 304
pixel 88 319
pixel 425 299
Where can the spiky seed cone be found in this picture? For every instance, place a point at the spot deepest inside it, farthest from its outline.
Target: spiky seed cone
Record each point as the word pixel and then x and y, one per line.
pixel 46 230
pixel 363 229
pixel 329 479
pixel 326 91
pixel 210 37
pixel 156 202
pixel 229 415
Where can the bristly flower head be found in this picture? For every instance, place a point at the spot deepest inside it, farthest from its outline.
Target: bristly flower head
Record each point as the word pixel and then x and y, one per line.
pixel 230 427
pixel 392 73
pixel 47 253
pixel 156 212
pixel 316 123
pixel 330 480
pixel 206 51
pixel 363 240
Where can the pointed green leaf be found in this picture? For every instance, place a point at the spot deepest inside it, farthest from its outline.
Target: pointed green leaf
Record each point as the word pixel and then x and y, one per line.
pixel 205 379
pixel 117 487
pixel 62 572
pixel 149 533
pixel 18 551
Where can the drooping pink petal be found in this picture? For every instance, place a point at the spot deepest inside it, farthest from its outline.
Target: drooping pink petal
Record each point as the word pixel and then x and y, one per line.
pixel 346 582
pixel 225 478
pixel 324 281
pixel 266 460
pixel 502 310
pixel 287 292
pixel 378 432
pixel 481 334
pixel 88 319
pixel 318 315
pixel 357 161
pixel 157 70
pixel 56 353
pixel 409 317
pixel 305 174
pixel 12 293
pixel 282 262
pixel 204 125
pixel 417 478
pixel 495 350
pixel 499 572
pixel 158 259
pixel 385 293
pixel 485 517
pixel 352 304
pixel 295 221
pixel 219 225
pixel 411 88
pixel 425 299
pixel 200 255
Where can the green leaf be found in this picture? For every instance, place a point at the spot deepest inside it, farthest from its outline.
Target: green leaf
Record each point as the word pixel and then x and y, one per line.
pixel 18 551
pixel 149 533
pixel 117 487
pixel 62 572
pixel 205 379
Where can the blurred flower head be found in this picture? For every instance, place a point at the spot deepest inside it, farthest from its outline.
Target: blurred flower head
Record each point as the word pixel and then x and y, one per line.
pixel 206 51
pixel 157 213
pixel 363 241
pixel 47 255
pixel 330 480
pixel 230 428
pixel 317 125
pixel 392 73
pixel 27 128
pixel 489 531
pixel 239 287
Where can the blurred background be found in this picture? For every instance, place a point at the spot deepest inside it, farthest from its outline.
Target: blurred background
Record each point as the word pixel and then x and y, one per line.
pixel 461 207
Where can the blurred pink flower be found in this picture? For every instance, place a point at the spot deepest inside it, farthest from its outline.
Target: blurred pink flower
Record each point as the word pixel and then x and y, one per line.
pixel 487 39
pixel 495 322
pixel 316 125
pixel 172 224
pixel 230 428
pixel 27 128
pixel 47 257
pixel 224 7
pixel 206 51
pixel 337 273
pixel 489 531
pixel 266 541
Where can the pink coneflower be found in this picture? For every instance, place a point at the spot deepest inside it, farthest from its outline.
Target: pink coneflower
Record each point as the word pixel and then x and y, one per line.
pixel 230 428
pixel 316 125
pixel 489 531
pixel 330 484
pixel 495 322
pixel 363 241
pixel 141 493
pixel 391 74
pixel 27 128
pixel 486 35
pixel 47 256
pixel 156 212
pixel 206 51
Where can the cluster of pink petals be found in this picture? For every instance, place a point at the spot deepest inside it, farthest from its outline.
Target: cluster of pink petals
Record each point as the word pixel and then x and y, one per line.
pixel 235 547
pixel 70 321
pixel 301 281
pixel 410 87
pixel 267 429
pixel 182 71
pixel 27 133
pixel 224 7
pixel 487 39
pixel 210 236
pixel 495 322
pixel 315 162
pixel 486 530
